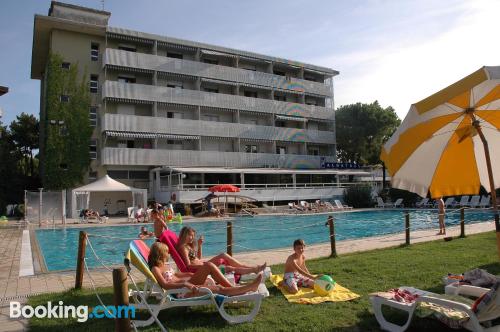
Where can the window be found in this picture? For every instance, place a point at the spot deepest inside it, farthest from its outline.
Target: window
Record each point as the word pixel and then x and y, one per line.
pixel 130 144
pixel 65 65
pixel 313 151
pixel 93 116
pixel 170 142
pixel 94 83
pixel 211 61
pixel 175 85
pixel 279 72
pixel 250 148
pixel 280 97
pixel 129 48
pixel 252 94
pixel 64 98
pixel 281 150
pixel 212 90
pixel 209 117
pixel 118 174
pixel 92 176
pixel 126 79
pixel 174 55
pixel 170 115
pixel 93 149
pixel 280 123
pixel 143 175
pixel 94 52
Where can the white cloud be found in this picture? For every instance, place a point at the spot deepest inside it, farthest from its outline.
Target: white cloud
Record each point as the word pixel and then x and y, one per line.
pixel 404 73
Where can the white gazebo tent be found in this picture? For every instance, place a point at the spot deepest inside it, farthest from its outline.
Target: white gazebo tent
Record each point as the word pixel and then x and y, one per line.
pixel 80 197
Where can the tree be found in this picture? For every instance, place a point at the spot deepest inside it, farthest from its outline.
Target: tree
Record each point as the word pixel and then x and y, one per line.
pixel 11 186
pixel 67 126
pixel 362 129
pixel 25 132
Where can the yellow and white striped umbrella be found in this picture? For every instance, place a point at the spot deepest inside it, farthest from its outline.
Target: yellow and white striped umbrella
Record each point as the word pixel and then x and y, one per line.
pixel 438 147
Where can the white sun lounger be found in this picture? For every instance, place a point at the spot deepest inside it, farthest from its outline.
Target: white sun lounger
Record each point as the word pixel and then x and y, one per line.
pixel 485 202
pixel 341 206
pixel 485 314
pixel 464 201
pixel 474 201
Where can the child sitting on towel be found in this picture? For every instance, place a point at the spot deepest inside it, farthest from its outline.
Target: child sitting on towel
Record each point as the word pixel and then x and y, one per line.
pixel 296 272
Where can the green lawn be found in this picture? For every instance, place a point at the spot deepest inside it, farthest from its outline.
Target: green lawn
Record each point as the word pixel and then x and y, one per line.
pixel 419 265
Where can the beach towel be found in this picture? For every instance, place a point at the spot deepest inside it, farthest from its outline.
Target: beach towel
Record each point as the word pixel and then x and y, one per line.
pixel 308 296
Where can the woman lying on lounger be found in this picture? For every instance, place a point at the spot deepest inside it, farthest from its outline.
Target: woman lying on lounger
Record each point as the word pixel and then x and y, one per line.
pixel 168 279
pixel 192 256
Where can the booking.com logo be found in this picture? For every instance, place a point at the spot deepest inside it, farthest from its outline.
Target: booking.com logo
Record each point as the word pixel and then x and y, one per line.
pixel 80 312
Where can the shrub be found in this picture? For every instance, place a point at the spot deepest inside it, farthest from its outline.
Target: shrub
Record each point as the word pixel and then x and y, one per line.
pixel 359 196
pixel 409 198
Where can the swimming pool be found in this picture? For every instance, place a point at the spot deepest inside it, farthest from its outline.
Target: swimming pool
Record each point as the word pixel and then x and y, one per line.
pixel 59 246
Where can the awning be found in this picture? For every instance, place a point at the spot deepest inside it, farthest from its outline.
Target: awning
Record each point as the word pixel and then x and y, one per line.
pixel 129 101
pixel 129 38
pixel 295 92
pixel 178 137
pixel 250 59
pixel 256 140
pixel 208 80
pixel 255 86
pixel 164 106
pixel 225 55
pixel 315 94
pixel 219 138
pixel 162 74
pixel 129 69
pixel 290 118
pixel 127 134
pixel 177 47
pixel 218 109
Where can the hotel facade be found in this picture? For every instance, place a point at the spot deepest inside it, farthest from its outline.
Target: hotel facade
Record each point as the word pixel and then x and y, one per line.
pixel 173 115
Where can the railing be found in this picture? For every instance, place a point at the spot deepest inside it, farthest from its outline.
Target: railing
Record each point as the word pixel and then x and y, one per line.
pixel 148 157
pixel 261 186
pixel 199 69
pixel 152 93
pixel 149 124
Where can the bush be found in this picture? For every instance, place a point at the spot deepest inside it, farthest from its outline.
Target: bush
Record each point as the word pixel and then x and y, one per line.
pixel 359 196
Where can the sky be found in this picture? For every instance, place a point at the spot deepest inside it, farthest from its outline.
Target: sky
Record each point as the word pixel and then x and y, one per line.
pixel 396 52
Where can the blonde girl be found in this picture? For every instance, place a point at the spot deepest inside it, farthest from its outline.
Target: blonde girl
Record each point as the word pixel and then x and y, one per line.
pixel 168 279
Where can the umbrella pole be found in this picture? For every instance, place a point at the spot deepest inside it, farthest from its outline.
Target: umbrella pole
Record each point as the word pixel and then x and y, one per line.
pixel 492 183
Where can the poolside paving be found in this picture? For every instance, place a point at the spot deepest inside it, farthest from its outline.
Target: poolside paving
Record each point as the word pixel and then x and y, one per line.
pixel 13 287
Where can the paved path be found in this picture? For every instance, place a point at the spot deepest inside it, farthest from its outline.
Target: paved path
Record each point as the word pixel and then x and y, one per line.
pixel 13 287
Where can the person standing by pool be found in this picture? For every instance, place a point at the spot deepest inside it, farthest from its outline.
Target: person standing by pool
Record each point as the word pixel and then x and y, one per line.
pixel 441 211
pixel 158 222
pixel 192 256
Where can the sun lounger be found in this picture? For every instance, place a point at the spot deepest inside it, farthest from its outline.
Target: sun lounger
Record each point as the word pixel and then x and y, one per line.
pixel 397 203
pixel 485 202
pixel 164 299
pixel 464 201
pixel 474 201
pixel 341 206
pixel 381 204
pixel 450 202
pixel 423 203
pixel 484 310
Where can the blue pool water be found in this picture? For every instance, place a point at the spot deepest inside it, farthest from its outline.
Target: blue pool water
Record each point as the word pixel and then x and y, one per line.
pixel 59 246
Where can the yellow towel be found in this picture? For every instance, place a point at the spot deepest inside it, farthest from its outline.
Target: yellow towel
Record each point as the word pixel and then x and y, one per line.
pixel 308 296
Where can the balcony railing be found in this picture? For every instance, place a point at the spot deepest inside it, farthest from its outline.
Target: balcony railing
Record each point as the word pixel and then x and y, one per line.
pixel 147 124
pixel 148 157
pixel 152 93
pixel 199 69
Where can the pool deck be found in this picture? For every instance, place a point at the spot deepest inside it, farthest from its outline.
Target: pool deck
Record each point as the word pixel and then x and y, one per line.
pixel 14 287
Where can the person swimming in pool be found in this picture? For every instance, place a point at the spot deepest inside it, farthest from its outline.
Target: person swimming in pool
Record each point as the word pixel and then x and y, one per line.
pixel 192 255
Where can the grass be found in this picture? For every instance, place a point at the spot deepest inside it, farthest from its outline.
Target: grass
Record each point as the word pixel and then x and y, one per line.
pixel 420 265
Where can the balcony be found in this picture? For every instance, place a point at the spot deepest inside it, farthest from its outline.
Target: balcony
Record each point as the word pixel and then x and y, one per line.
pixel 150 93
pixel 147 157
pixel 199 69
pixel 148 124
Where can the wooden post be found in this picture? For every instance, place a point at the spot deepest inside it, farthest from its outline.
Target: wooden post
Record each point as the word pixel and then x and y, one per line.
pixel 230 238
pixel 331 223
pixel 120 298
pixel 82 244
pixel 462 222
pixel 407 227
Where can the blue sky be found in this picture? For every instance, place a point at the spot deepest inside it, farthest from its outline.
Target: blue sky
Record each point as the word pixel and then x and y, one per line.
pixel 396 52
